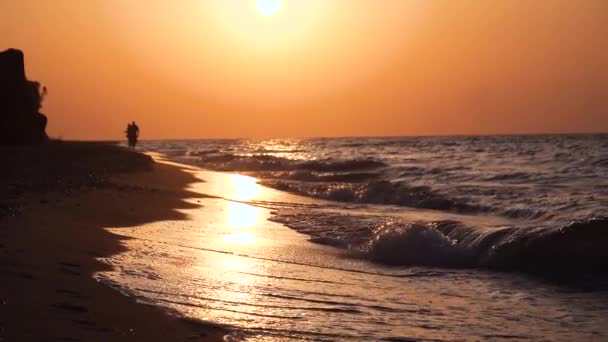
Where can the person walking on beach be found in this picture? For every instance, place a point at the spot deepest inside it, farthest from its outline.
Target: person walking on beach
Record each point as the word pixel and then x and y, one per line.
pixel 132 134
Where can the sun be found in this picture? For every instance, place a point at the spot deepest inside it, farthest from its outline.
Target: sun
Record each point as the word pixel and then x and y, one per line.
pixel 269 7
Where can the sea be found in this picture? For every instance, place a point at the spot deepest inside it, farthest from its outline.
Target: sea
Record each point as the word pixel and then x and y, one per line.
pixel 464 238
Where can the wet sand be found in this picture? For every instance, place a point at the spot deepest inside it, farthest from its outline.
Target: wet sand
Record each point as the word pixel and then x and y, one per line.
pixel 55 201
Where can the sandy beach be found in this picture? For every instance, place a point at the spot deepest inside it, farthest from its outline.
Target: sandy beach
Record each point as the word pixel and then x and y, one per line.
pixel 56 201
pixel 98 243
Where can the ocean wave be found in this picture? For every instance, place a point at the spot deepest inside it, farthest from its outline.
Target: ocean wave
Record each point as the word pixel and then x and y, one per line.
pixel 601 162
pixel 377 192
pixel 578 246
pixel 509 176
pixel 574 247
pixel 411 244
pixel 310 176
pixel 524 213
pixel 266 162
pixel 200 153
pixel 408 171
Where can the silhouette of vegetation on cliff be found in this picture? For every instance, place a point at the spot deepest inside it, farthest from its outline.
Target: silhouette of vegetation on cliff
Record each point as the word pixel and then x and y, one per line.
pixel 20 102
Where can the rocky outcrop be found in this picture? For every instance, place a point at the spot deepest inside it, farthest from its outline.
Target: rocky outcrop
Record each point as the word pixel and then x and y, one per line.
pixel 20 103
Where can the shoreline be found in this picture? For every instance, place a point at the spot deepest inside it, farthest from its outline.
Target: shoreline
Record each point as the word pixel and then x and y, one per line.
pixel 59 198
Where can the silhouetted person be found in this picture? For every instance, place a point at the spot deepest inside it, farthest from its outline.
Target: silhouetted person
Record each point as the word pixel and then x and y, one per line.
pixel 132 134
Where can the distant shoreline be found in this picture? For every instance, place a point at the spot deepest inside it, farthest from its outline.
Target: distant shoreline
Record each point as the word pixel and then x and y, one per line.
pixel 56 200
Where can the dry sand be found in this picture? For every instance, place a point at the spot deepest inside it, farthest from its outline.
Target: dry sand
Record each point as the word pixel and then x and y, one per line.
pixel 55 201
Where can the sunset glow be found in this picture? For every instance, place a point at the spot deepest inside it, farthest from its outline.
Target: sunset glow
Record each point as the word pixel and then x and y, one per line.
pixel 269 7
pixel 294 68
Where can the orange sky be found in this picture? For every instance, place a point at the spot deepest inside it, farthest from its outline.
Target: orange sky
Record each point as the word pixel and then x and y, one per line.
pixel 217 68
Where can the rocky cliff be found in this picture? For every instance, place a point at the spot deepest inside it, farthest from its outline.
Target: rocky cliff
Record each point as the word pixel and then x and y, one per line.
pixel 20 102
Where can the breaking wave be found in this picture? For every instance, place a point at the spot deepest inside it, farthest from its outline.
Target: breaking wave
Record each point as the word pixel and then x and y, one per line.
pixel 577 246
pixel 377 192
pixel 268 162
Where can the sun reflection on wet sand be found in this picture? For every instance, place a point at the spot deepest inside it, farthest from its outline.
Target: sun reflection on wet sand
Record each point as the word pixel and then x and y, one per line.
pixel 242 215
pixel 240 238
pixel 245 188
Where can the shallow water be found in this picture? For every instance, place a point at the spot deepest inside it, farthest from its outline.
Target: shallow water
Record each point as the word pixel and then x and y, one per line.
pixel 234 264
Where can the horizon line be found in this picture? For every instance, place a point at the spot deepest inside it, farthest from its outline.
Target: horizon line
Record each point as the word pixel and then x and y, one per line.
pixel 456 135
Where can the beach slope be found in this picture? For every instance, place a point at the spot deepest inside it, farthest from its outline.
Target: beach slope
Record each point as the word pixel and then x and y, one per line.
pixel 55 201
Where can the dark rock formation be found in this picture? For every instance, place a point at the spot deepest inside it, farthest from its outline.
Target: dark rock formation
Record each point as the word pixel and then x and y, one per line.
pixel 20 102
